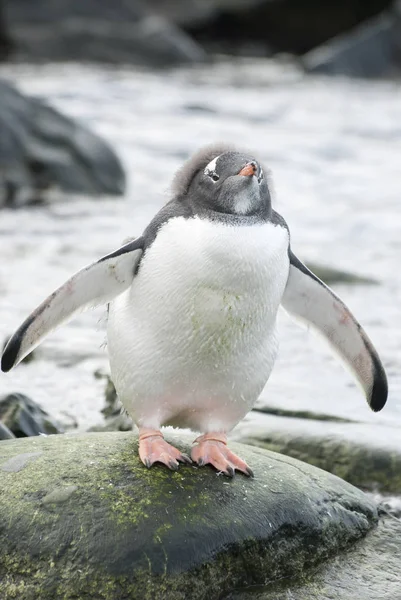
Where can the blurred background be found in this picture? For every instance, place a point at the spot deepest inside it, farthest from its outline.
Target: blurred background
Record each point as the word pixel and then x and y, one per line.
pixel 101 102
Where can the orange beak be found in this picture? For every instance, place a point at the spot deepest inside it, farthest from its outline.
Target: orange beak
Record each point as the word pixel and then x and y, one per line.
pixel 248 170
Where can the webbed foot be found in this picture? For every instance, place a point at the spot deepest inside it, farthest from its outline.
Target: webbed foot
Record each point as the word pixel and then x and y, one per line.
pixel 212 449
pixel 153 448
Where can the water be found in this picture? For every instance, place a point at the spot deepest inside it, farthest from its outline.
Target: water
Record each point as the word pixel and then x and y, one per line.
pixel 334 147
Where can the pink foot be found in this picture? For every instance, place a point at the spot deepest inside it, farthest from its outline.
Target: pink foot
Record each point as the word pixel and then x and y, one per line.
pixel 212 448
pixel 153 448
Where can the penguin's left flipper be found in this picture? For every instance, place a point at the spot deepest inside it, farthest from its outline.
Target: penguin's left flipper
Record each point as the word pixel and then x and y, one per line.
pixel 96 284
pixel 310 300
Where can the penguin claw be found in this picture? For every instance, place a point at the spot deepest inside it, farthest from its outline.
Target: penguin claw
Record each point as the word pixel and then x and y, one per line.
pixel 184 458
pixel 212 449
pixel 249 472
pixel 230 471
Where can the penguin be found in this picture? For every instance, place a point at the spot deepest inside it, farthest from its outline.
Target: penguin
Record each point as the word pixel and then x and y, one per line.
pixel 193 306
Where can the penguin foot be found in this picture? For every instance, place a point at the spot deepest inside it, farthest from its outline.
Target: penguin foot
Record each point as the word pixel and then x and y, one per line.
pixel 212 449
pixel 153 448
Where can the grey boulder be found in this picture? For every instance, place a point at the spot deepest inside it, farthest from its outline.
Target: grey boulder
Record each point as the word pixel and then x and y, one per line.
pixel 24 418
pixel 371 571
pixel 371 50
pixel 5 433
pixel 41 149
pixel 81 517
pixel 367 455
pixel 97 30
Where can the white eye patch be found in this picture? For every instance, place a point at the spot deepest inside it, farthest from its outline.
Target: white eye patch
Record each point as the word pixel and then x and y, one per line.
pixel 210 169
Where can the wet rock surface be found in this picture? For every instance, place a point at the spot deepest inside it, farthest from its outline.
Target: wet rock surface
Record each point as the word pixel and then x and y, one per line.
pixel 41 151
pixel 366 455
pixel 80 516
pixel 370 571
pixel 24 418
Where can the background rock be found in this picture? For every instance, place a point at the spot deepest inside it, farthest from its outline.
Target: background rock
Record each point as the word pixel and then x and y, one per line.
pixel 97 30
pixel 85 517
pixel 366 455
pixel 5 433
pixel 371 50
pixel 40 149
pixel 116 417
pixel 166 32
pixel 25 418
pixel 271 26
pixel 5 42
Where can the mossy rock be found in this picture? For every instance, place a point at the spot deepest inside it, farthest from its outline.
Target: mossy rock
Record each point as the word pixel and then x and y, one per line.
pixel 364 454
pixel 370 571
pixel 82 518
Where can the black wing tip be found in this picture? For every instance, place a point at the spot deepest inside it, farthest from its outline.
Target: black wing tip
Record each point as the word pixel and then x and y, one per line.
pixel 378 397
pixel 10 354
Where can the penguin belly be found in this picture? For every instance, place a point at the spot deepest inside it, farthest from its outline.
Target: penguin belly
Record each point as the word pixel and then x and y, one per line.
pixel 193 341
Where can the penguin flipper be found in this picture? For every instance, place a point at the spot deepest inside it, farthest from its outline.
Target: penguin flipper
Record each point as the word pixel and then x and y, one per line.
pixel 307 298
pixel 95 284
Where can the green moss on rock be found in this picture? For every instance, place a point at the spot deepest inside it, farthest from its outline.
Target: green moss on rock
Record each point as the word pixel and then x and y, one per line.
pixel 83 518
pixel 368 467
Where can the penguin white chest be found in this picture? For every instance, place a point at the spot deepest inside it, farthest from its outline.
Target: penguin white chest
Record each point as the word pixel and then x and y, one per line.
pixel 192 342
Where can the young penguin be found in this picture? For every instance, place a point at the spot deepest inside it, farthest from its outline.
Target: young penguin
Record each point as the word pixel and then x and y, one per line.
pixel 193 309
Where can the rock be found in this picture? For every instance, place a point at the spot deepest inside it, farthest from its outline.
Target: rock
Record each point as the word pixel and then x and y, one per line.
pixel 120 422
pixel 388 505
pixel 366 455
pixel 81 517
pixel 41 149
pixel 271 26
pixel 167 32
pixel 6 45
pixel 371 50
pixel 113 405
pixel 116 417
pixel 97 30
pixel 24 417
pixel 330 275
pixel 5 433
pixel 196 12
pixel 371 571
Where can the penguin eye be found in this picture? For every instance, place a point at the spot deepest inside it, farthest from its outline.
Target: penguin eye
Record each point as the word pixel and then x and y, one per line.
pixel 261 176
pixel 212 174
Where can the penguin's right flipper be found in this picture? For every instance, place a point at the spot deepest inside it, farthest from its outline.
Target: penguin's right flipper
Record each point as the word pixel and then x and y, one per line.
pixel 310 300
pixel 96 284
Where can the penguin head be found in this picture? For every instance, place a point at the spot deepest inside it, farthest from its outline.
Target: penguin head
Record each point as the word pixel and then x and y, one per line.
pixel 225 181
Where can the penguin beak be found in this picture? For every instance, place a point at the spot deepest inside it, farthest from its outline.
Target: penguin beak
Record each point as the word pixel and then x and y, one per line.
pixel 249 170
